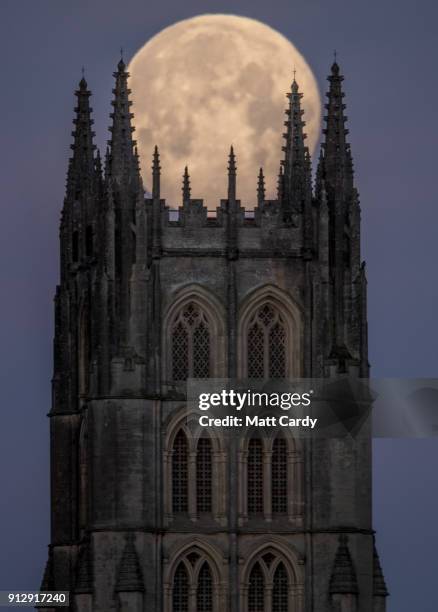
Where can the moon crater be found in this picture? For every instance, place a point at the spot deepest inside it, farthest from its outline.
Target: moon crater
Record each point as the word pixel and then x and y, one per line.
pixel 207 82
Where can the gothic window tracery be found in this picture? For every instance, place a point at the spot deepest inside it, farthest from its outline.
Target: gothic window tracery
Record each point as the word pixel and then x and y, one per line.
pixel 270 477
pixel 204 476
pixel 180 474
pixel 190 344
pixel 256 591
pixel 195 586
pixel 180 593
pixel 204 593
pixel 279 476
pixel 280 591
pixel 270 583
pixel 267 343
pixel 195 474
pixel 255 476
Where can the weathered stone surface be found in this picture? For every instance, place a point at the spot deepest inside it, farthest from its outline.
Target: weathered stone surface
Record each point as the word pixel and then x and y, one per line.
pixel 129 265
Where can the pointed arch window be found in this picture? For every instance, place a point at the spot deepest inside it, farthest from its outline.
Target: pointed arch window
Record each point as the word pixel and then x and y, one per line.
pixel 272 583
pixel 267 344
pixel 280 593
pixel 255 476
pixel 195 584
pixel 180 473
pixel 180 591
pixel 204 476
pixel 204 593
pixel 256 591
pixel 194 469
pixel 190 339
pixel 279 476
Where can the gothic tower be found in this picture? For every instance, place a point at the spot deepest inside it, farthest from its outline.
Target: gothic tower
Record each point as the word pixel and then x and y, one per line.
pixel 147 516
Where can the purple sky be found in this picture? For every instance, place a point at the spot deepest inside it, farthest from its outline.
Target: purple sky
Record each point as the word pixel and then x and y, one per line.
pixel 387 51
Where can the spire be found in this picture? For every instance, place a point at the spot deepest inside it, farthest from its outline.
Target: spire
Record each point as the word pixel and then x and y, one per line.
pixel 137 158
pixel 232 171
pixel 379 584
pixel 319 178
pixel 261 188
pixel 129 577
pixel 186 186
pixel 107 169
pixel 308 168
pixel 296 171
pixel 337 153
pixel 156 171
pixel 122 156
pixel 343 578
pixel 308 233
pixel 98 173
pixel 81 170
pixel 335 170
pixel 98 164
pixel 280 185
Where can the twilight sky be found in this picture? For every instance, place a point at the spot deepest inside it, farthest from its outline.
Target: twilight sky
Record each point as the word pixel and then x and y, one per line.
pixel 387 51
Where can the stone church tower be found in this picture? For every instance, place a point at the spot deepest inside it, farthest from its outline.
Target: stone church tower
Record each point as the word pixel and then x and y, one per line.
pixel 147 516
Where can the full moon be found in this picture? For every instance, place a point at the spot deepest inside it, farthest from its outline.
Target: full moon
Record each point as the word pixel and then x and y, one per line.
pixel 209 82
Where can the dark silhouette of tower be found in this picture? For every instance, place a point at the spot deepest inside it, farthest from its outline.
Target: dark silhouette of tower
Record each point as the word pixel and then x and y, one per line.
pixel 147 516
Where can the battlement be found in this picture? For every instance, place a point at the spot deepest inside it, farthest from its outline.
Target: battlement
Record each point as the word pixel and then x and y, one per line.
pixel 264 228
pixel 175 215
pixel 193 213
